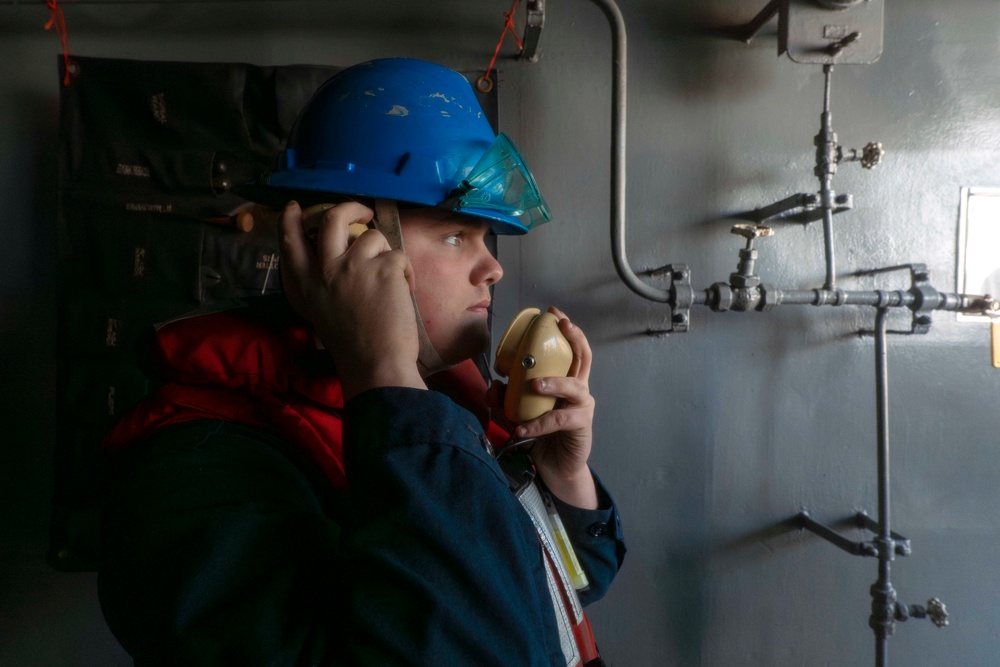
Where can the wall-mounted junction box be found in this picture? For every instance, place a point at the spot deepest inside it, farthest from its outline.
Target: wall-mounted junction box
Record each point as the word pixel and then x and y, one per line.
pixel 832 32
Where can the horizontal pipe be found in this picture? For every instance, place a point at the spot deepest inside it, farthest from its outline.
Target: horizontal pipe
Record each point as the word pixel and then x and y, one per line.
pixel 825 297
pixel 766 298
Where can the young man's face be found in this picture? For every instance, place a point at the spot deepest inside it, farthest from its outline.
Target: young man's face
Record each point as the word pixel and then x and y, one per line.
pixel 454 270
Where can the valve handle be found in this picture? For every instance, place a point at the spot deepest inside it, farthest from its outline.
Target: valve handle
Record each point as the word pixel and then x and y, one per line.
pixel 748 231
pixel 937 612
pixel 872 154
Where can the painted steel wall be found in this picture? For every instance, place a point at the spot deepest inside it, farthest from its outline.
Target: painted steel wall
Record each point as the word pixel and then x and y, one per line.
pixel 710 439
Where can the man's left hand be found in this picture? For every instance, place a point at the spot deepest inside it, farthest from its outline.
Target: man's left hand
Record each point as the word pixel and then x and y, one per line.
pixel 565 434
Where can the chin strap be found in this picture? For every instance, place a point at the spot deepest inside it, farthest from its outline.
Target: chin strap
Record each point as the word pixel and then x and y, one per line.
pixel 387 222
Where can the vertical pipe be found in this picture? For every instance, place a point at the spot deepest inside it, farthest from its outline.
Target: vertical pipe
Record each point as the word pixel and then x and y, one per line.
pixel 883 595
pixel 825 168
pixel 882 405
pixel 619 47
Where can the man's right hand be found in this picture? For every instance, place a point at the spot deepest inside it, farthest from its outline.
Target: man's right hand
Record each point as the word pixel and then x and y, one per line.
pixel 357 295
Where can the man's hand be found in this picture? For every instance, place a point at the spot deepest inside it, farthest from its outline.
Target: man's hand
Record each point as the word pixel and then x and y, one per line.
pixel 565 434
pixel 358 296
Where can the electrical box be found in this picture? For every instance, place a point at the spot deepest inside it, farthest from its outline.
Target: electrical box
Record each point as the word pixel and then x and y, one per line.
pixel 832 32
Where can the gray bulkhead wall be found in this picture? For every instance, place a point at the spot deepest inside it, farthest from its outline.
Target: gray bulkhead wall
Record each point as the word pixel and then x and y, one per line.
pixel 708 439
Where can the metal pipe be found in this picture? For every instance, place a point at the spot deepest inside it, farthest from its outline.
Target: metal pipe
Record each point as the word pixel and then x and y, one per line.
pixel 804 521
pixel 883 596
pixel 882 406
pixel 766 297
pixel 826 167
pixel 748 31
pixel 619 47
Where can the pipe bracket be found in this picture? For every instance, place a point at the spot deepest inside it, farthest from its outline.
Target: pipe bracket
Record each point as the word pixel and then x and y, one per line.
pixel 897 544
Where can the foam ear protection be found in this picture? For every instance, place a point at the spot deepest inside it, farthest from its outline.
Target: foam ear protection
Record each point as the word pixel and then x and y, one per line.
pixel 532 347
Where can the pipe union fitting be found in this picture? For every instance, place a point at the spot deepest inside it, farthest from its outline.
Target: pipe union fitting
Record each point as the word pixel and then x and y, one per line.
pixel 769 297
pixel 925 298
pixel 722 297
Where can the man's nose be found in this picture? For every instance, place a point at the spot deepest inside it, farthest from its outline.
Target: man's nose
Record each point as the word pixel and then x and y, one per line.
pixel 488 270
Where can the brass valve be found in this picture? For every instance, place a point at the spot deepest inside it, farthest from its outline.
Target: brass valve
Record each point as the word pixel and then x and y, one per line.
pixel 872 154
pixel 751 232
pixel 937 612
pixel 744 275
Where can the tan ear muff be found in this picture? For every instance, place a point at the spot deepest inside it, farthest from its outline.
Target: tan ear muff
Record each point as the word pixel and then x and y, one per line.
pixel 507 348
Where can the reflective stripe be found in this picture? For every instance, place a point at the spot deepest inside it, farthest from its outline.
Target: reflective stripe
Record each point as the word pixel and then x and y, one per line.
pixel 561 587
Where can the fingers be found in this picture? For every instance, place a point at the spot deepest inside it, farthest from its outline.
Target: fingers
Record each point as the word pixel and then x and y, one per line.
pixel 568 419
pixel 582 354
pixel 573 390
pixel 576 411
pixel 373 248
pixel 332 234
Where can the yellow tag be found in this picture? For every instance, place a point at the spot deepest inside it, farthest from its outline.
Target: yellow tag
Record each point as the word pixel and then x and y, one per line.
pixel 996 343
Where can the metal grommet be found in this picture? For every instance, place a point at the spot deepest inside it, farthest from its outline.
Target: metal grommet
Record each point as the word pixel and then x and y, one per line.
pixel 528 361
pixel 484 84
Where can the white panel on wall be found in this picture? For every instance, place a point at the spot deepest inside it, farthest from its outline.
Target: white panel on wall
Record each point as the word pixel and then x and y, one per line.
pixel 979 244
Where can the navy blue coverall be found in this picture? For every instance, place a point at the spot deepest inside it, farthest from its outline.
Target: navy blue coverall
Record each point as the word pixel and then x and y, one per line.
pixel 221 546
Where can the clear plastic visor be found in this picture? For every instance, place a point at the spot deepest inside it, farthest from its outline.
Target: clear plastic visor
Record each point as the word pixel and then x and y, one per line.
pixel 502 182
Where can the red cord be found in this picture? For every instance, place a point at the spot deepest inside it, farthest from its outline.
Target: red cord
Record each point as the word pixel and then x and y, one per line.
pixel 57 20
pixel 508 26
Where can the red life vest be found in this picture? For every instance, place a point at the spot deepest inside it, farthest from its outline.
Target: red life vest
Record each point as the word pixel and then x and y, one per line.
pixel 233 367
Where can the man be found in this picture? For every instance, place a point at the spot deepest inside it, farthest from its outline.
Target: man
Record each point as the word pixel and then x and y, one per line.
pixel 282 504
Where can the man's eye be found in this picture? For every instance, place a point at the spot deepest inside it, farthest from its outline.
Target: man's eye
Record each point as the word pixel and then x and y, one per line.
pixel 453 239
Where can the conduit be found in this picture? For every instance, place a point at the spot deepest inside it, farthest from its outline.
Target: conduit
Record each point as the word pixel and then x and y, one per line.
pixel 619 80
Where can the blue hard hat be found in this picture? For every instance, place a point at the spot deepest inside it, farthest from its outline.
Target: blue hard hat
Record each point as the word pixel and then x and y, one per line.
pixel 411 131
